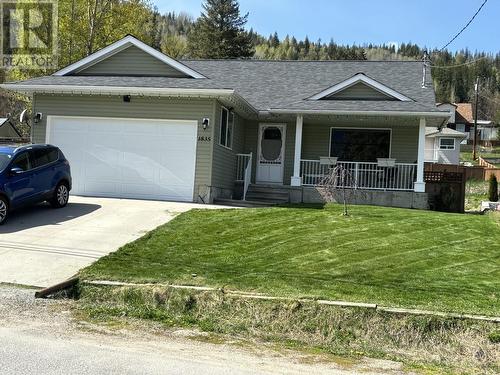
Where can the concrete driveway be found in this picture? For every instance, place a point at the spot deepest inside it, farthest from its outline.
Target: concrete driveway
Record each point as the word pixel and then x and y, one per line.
pixel 40 246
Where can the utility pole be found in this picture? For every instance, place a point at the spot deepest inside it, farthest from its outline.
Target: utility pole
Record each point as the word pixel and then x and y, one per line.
pixel 474 145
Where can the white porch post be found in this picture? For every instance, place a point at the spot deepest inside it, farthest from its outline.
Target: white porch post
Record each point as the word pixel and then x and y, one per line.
pixel 420 184
pixel 296 179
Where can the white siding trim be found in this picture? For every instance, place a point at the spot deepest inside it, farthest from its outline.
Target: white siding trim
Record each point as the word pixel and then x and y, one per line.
pixel 153 91
pixel 344 112
pixel 120 46
pixel 360 77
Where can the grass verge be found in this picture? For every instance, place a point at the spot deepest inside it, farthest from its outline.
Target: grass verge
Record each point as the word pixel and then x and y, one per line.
pixel 425 344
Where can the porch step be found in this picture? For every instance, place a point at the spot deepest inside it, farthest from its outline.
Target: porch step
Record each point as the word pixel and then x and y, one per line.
pixel 268 188
pixel 271 194
pixel 268 197
pixel 240 203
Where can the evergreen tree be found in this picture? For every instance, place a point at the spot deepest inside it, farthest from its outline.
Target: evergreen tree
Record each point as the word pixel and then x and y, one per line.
pixel 274 40
pixel 493 189
pixel 155 29
pixel 219 32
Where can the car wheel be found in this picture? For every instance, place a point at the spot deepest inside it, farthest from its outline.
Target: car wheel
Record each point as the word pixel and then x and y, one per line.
pixel 61 196
pixel 4 210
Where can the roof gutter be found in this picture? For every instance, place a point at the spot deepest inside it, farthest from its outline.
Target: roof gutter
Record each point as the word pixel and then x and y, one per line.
pixel 445 115
pixel 107 90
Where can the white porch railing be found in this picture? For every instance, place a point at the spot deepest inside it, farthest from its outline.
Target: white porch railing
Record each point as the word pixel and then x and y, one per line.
pixel 244 171
pixel 368 176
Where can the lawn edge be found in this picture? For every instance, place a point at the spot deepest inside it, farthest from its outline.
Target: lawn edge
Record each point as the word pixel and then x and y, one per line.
pixel 249 295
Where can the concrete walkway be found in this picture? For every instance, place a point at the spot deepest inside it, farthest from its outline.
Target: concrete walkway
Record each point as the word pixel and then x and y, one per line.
pixel 40 246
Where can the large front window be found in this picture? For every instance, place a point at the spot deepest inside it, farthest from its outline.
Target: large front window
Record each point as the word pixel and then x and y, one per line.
pixel 362 145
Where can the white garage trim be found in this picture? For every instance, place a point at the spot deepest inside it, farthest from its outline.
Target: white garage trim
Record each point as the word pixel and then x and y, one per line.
pixel 153 173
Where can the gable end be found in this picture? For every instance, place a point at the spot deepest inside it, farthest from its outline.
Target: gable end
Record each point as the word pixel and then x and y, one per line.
pixel 131 61
pixel 359 91
pixel 360 87
pixel 143 60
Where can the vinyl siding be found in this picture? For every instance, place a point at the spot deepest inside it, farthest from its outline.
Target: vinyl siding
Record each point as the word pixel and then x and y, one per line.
pixel 131 61
pixel 147 108
pixel 404 143
pixel 224 159
pixel 448 156
pixel 359 91
pixel 316 140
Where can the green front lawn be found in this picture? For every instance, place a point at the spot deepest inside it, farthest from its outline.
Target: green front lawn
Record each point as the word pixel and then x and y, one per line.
pixel 395 257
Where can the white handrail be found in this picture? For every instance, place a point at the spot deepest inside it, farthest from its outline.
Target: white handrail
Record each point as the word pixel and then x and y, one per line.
pixel 248 176
pixel 241 163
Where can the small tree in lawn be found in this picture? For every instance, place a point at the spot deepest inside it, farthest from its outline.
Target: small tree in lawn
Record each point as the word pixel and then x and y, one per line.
pixel 493 189
pixel 339 181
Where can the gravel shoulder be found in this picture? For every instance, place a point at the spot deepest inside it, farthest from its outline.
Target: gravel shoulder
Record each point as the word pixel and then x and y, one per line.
pixel 45 335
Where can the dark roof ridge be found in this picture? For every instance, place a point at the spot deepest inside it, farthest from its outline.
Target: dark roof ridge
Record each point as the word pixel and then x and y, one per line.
pixel 297 61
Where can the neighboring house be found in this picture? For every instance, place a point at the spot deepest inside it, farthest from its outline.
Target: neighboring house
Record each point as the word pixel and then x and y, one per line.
pixel 135 123
pixel 8 132
pixel 462 120
pixel 443 145
pixel 487 131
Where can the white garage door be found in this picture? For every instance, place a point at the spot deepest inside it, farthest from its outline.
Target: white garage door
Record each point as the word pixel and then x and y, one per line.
pixel 128 158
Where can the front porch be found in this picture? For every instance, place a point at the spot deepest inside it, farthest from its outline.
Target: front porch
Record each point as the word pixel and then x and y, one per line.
pixel 384 156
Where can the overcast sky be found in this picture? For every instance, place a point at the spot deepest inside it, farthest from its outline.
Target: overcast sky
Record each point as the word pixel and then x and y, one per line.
pixel 430 23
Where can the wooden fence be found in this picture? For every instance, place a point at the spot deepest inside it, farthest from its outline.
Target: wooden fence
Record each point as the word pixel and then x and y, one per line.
pixel 489 169
pixel 470 173
pixel 446 190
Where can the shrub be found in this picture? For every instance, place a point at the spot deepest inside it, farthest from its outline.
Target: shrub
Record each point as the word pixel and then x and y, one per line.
pixel 493 189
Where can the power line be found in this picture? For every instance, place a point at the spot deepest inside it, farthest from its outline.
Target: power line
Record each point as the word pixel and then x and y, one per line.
pixel 457 65
pixel 465 27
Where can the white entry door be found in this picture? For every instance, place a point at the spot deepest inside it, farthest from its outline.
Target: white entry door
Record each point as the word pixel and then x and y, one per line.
pixel 128 158
pixel 271 153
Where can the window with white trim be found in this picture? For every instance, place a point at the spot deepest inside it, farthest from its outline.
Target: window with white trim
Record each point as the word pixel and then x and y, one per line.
pixel 226 128
pixel 360 145
pixel 446 143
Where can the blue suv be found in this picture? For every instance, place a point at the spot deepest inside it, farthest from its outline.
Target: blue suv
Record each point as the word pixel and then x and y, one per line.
pixel 32 174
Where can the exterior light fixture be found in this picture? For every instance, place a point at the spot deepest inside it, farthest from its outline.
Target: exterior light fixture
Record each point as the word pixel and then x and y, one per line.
pixel 205 123
pixel 38 117
pixel 126 98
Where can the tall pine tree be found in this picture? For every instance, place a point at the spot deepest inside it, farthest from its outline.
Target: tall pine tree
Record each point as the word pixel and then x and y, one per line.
pixel 219 32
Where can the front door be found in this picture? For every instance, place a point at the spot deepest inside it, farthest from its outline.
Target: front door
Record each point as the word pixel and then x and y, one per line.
pixel 271 153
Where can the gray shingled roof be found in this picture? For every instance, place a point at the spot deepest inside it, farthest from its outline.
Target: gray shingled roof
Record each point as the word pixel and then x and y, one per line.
pixel 434 132
pixel 283 84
